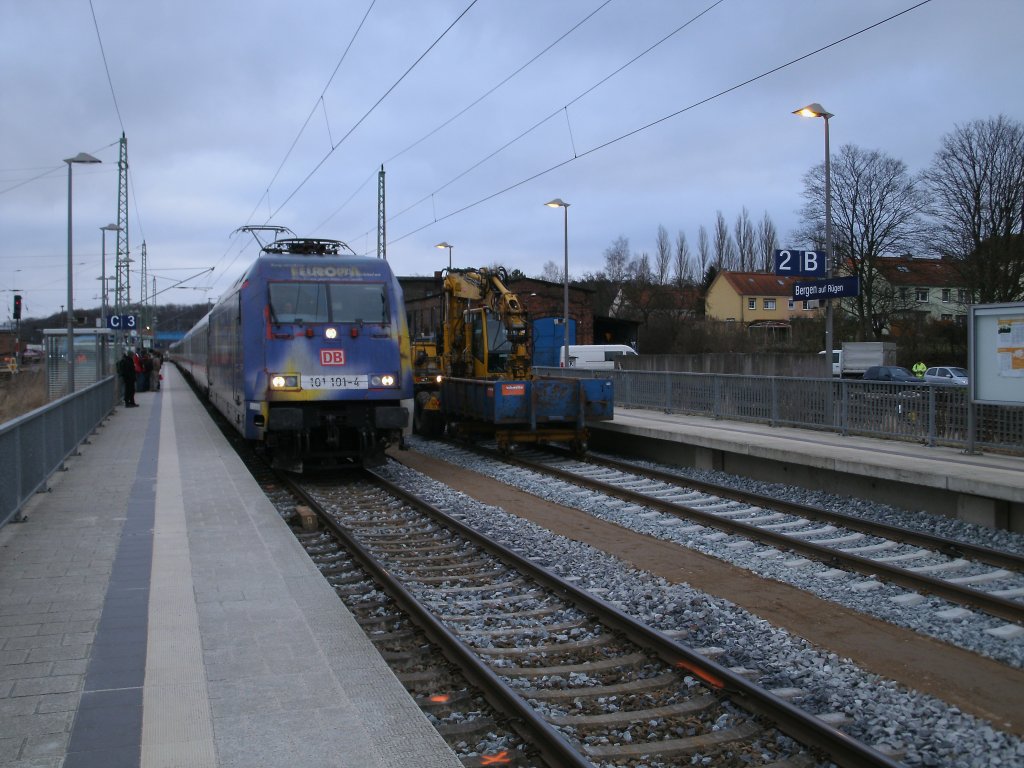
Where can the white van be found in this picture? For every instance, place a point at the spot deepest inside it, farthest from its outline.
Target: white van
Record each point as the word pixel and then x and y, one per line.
pixel 595 356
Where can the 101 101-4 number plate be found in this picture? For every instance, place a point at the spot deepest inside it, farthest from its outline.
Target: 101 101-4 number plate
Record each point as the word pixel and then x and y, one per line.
pixel 334 382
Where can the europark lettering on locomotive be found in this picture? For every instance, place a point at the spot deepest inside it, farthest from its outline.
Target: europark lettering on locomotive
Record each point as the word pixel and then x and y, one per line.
pixel 308 356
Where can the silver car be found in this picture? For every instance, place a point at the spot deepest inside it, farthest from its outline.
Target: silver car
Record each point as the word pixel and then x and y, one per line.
pixel 946 374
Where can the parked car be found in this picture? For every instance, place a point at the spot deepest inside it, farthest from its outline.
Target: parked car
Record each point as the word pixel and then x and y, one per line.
pixel 894 373
pixel 946 374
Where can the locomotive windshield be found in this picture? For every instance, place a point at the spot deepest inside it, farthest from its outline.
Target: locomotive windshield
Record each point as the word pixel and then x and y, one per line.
pixel 328 302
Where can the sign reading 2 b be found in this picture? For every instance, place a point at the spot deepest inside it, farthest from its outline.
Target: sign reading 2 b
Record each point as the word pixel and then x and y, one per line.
pixel 802 263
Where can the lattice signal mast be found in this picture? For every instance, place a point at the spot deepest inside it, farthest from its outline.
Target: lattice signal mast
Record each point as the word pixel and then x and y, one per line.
pixel 122 289
pixel 382 234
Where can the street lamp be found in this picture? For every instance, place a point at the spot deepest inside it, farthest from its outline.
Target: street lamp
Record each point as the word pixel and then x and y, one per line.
pixel 449 246
pixel 559 203
pixel 103 273
pixel 81 157
pixel 816 110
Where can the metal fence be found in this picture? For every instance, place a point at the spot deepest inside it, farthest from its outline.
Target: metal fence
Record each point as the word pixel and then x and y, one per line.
pixel 33 446
pixel 934 414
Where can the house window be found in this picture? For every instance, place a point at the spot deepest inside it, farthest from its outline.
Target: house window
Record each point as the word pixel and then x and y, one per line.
pixel 961 319
pixel 791 305
pixel 961 296
pixel 946 295
pixel 769 303
pixel 810 304
pixel 921 294
pixel 751 303
pixel 903 294
pixel 947 318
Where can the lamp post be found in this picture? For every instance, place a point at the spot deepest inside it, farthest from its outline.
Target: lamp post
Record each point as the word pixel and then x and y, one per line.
pixel 816 110
pixel 81 157
pixel 559 203
pixel 103 273
pixel 449 246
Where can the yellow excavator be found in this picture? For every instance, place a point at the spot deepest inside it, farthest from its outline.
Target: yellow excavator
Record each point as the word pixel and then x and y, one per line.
pixel 479 380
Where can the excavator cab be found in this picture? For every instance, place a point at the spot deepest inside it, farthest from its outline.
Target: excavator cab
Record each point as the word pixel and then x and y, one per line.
pixel 489 343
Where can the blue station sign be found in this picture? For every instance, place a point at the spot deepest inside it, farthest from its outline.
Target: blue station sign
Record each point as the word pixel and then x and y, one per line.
pixel 796 263
pixel 123 322
pixel 832 288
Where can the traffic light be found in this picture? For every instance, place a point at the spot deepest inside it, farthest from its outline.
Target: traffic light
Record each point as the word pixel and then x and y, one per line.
pixel 17 307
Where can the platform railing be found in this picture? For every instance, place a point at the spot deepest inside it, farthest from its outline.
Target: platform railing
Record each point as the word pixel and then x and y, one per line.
pixel 35 445
pixel 933 414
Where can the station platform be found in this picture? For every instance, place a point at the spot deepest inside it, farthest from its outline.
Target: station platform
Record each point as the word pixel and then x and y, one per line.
pixel 986 488
pixel 156 611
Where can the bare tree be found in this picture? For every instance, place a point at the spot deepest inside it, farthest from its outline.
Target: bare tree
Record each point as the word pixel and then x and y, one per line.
pixel 682 273
pixel 639 270
pixel 877 211
pixel 552 272
pixel 639 290
pixel 725 249
pixel 743 231
pixel 663 256
pixel 616 260
pixel 767 242
pixel 703 251
pixel 976 180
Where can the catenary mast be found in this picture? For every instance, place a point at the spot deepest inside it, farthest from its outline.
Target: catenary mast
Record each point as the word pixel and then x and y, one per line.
pixel 122 285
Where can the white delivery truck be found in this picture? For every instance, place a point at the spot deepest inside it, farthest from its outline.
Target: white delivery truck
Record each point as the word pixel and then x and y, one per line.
pixel 595 356
pixel 858 356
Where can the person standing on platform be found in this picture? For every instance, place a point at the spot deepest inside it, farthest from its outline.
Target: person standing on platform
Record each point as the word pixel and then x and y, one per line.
pixel 140 372
pixel 126 370
pixel 154 376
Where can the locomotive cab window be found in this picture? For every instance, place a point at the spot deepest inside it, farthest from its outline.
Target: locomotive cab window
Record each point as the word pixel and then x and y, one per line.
pixel 358 302
pixel 328 303
pixel 298 303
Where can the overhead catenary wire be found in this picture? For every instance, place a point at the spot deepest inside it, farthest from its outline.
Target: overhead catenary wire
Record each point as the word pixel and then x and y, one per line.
pixel 555 113
pixel 318 103
pixel 370 111
pixel 653 123
pixel 466 109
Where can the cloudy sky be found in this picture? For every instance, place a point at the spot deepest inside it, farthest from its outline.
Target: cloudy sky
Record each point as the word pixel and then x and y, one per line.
pixel 639 113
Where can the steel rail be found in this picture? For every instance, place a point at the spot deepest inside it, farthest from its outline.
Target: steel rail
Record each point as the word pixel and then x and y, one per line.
pixel 801 726
pixel 994 605
pixel 950 547
pixel 555 748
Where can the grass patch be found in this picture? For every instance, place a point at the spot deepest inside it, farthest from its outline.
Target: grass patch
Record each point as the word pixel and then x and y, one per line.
pixel 22 392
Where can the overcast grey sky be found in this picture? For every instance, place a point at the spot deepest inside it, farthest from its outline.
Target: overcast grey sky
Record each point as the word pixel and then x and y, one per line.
pixel 443 93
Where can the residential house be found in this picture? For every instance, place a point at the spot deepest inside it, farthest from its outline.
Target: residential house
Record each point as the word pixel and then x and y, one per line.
pixel 756 299
pixel 926 288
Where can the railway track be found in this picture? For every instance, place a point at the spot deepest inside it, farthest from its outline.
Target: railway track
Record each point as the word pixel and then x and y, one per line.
pixel 975 577
pixel 583 683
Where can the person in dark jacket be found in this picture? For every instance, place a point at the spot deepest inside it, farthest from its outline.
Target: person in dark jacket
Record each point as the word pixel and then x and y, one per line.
pixel 126 370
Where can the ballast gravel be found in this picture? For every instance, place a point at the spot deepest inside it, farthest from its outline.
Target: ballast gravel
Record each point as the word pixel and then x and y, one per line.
pixel 926 614
pixel 915 728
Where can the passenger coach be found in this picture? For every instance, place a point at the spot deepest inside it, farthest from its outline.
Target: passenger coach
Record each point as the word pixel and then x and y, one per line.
pixel 308 354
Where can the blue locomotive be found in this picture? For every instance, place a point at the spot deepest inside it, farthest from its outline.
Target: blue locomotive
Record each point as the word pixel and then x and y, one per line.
pixel 308 354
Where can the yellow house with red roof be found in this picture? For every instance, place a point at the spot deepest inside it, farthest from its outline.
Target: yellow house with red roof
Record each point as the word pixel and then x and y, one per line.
pixel 755 298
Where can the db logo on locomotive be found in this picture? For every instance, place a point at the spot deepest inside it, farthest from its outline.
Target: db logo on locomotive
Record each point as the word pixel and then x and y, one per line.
pixel 332 357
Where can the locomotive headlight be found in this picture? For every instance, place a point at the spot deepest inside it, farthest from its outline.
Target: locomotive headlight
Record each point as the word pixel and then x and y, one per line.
pixel 331 333
pixel 284 381
pixel 382 380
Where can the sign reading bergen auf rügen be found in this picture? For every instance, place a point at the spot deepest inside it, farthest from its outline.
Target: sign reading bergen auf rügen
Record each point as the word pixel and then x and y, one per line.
pixel 830 288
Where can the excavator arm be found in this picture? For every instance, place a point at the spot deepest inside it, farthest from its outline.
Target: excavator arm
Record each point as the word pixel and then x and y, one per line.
pixel 485 328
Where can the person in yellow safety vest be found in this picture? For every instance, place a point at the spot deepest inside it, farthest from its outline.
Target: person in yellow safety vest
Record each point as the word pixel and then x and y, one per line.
pixel 919 369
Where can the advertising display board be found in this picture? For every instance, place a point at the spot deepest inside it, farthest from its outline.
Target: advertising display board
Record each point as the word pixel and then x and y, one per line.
pixel 995 342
